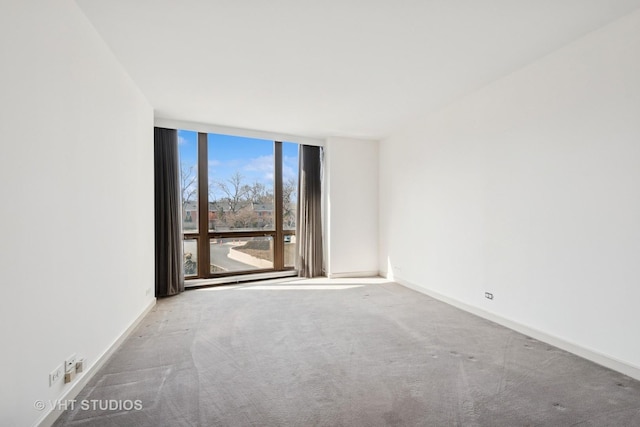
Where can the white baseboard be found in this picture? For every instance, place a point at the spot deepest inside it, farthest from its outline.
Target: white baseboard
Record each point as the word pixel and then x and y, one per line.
pixel 586 353
pixel 354 274
pixel 48 419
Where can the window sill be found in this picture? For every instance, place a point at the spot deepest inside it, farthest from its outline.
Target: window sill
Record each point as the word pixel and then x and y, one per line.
pixel 196 283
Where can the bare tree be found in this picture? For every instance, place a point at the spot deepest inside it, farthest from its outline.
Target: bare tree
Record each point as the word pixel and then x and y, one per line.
pixel 234 190
pixel 289 199
pixel 212 195
pixel 244 218
pixel 257 192
pixel 188 183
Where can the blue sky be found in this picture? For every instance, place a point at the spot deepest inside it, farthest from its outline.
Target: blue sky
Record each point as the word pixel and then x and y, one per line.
pixel 253 158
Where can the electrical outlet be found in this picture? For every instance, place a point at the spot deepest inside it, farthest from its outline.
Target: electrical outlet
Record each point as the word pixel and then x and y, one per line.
pixel 69 376
pixel 488 295
pixel 148 291
pixel 70 363
pixel 55 375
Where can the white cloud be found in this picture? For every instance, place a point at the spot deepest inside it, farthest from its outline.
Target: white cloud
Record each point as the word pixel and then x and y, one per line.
pixel 260 164
pixel 260 169
pixel 289 167
pixel 289 172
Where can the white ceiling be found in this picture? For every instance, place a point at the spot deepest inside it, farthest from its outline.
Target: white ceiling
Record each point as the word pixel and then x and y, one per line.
pixel 319 68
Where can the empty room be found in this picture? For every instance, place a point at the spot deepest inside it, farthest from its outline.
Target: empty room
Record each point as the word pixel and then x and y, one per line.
pixel 320 213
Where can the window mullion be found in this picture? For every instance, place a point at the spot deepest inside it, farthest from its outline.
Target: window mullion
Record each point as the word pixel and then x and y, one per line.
pixel 278 244
pixel 203 207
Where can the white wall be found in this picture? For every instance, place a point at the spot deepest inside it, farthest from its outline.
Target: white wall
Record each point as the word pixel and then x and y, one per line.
pixel 226 130
pixel 76 184
pixel 351 206
pixel 530 189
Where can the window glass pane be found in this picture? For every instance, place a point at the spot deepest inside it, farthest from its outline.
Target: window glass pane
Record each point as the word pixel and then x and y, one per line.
pixel 188 153
pixel 289 251
pixel 289 184
pixel 190 249
pixel 241 175
pixel 241 254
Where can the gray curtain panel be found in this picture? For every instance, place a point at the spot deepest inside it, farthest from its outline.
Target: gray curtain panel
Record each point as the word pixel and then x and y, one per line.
pixel 309 224
pixel 168 226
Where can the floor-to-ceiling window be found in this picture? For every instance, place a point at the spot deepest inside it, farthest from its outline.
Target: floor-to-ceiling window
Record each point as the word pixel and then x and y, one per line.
pixel 239 200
